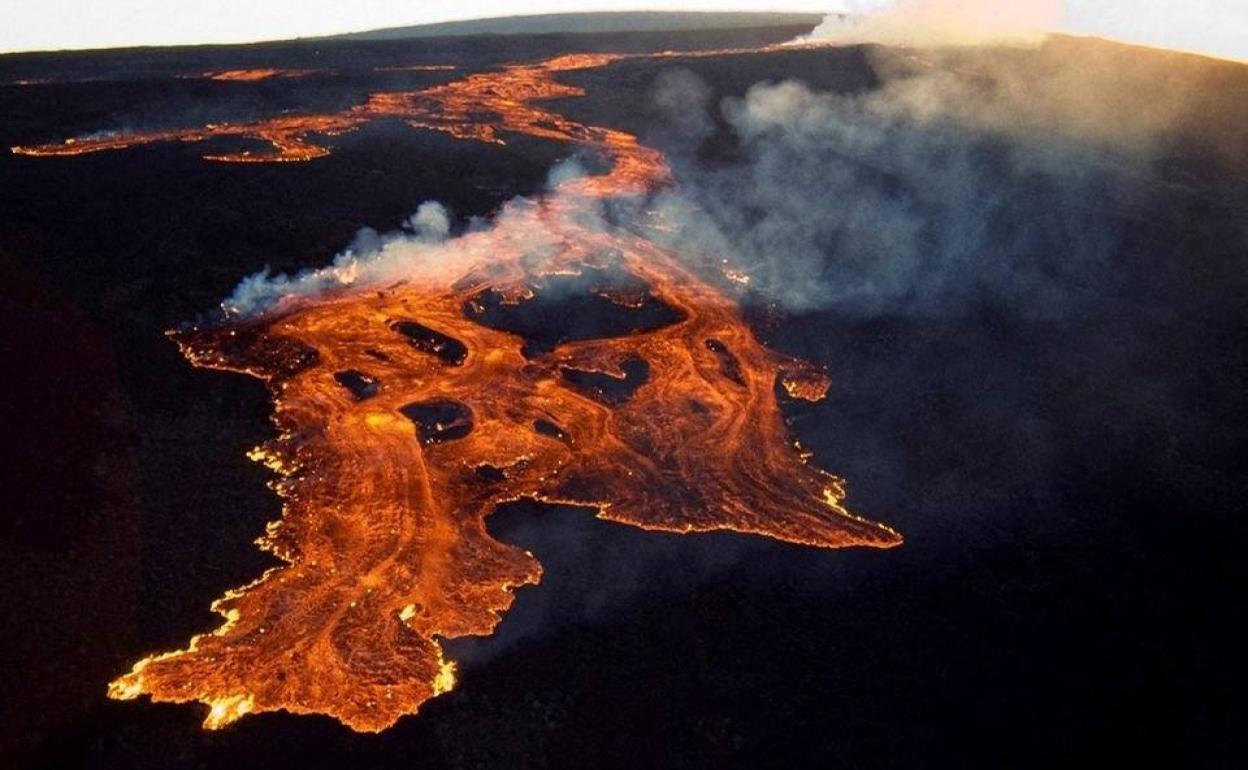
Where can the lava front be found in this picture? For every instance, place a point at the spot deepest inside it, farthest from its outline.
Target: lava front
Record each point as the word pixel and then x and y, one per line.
pixel 407 412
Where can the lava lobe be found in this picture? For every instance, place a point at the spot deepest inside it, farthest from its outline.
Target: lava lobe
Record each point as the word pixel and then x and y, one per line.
pixel 608 374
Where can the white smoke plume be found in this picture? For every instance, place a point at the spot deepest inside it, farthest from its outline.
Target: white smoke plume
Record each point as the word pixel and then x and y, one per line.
pixel 425 250
pixel 927 23
pixel 371 257
pixel 968 178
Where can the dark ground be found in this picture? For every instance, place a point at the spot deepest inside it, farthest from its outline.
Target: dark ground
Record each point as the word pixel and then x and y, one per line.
pixel 1071 587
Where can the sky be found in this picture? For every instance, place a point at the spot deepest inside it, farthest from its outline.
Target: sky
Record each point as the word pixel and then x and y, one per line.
pixel 1214 27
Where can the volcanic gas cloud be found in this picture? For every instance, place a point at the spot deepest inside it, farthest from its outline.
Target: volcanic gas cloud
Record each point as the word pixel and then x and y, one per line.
pixel 408 408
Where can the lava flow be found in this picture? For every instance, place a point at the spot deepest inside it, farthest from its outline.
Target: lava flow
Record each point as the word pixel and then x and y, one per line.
pixel 408 410
pixel 505 97
pixel 247 76
pixel 477 107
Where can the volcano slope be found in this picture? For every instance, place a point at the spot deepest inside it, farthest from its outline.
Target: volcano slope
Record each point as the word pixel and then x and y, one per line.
pixel 1058 475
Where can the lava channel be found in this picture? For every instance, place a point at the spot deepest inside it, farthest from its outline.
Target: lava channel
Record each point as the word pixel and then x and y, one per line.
pixel 407 413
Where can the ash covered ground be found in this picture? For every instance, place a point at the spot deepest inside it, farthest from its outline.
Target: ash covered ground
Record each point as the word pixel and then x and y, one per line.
pixel 1034 327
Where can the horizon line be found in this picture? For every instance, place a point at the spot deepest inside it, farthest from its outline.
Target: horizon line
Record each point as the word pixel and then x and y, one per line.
pixel 331 36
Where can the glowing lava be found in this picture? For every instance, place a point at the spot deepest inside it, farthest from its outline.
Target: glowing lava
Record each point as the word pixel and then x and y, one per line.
pixel 252 75
pixel 408 412
pixel 477 107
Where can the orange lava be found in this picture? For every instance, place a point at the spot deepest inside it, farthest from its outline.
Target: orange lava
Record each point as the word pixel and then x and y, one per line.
pixel 404 420
pixel 507 96
pixel 255 74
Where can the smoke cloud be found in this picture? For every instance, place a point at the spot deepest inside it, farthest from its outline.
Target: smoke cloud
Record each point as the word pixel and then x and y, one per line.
pixel 423 250
pixel 938 22
pixel 371 257
pixel 968 178
pixel 1210 27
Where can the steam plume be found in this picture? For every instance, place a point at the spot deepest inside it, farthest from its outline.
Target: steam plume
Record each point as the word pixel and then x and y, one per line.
pixel 969 178
pixel 422 249
pixel 938 22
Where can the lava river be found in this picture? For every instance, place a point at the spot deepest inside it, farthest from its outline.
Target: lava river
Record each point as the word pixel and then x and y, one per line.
pixel 408 409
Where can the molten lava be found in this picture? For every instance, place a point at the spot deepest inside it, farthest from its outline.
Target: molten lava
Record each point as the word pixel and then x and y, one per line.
pixel 506 95
pixel 408 411
pixel 247 76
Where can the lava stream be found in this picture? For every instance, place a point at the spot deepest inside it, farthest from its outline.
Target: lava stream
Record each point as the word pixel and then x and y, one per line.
pixel 406 413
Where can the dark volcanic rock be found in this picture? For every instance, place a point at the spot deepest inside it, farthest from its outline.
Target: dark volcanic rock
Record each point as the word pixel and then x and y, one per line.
pixel 1071 486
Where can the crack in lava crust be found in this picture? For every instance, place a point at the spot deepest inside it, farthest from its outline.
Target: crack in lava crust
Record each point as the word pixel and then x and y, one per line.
pixel 402 423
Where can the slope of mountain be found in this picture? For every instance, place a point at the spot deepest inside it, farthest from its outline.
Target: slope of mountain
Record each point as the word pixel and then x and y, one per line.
pixel 579 23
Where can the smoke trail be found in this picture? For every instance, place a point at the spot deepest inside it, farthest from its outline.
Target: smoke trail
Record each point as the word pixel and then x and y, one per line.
pixel 371 257
pixel 878 203
pixel 1217 28
pixel 425 247
pixel 938 22
pixel 971 177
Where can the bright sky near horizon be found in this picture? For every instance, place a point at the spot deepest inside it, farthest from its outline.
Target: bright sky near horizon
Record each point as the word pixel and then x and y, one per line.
pixel 1215 27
